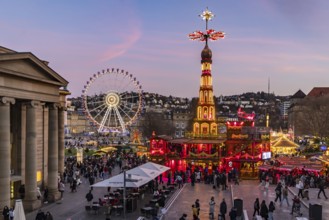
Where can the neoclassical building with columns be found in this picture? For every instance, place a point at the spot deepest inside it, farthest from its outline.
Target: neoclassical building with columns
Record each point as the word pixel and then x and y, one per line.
pixel 32 105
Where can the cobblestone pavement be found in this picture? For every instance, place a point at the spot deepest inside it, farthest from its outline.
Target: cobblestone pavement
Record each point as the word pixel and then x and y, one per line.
pixel 248 191
pixel 72 207
pixel 203 192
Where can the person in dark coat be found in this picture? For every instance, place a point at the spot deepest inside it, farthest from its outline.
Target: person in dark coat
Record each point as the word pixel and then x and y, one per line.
pixel 40 215
pixel 233 213
pixel 321 189
pixel 256 207
pixel 48 216
pixel 264 210
pixel 271 208
pixel 192 179
pixel 278 192
pixel 223 209
pixel 5 213
pixel 197 206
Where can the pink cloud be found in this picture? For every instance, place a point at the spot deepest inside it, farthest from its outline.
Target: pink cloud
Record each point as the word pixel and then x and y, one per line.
pixel 128 41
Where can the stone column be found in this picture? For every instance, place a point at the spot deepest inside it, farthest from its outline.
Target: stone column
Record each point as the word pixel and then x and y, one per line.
pixel 61 148
pixel 53 153
pixel 30 201
pixel 5 150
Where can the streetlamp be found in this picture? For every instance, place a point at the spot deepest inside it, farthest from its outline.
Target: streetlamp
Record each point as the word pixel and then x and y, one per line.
pixel 125 180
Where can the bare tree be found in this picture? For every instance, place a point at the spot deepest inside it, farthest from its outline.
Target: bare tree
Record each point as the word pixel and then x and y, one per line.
pixel 313 116
pixel 160 123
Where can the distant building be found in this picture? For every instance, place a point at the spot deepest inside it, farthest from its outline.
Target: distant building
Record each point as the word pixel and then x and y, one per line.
pixel 284 109
pixel 181 121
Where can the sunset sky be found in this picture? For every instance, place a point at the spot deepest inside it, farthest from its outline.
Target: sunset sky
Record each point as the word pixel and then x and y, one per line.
pixel 284 40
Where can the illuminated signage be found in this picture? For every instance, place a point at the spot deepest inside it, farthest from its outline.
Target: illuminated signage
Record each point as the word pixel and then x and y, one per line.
pixel 266 155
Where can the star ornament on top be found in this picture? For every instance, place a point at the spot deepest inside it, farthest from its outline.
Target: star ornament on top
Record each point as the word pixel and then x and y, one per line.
pixel 207 15
pixel 209 33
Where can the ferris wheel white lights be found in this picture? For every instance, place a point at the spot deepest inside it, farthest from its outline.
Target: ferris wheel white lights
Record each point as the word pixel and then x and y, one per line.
pixel 112 99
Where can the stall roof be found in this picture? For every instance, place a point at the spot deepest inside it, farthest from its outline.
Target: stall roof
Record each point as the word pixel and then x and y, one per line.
pixel 196 141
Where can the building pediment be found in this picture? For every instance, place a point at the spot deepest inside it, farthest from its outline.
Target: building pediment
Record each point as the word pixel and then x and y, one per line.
pixel 23 76
pixel 29 67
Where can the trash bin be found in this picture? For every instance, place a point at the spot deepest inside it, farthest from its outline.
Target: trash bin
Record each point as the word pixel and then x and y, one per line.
pixel 315 212
pixel 238 204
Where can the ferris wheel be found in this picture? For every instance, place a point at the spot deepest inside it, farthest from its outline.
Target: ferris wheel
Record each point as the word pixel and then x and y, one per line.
pixel 112 100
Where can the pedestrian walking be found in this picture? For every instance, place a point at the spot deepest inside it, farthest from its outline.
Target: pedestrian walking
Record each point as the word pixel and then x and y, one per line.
pixel 45 195
pixel 89 197
pixel 256 207
pixel 300 187
pixel 278 192
pixel 195 212
pixel 179 181
pixel 271 209
pixel 321 189
pixel 192 177
pixel 264 210
pixel 212 208
pixel 197 206
pixel 223 209
pixel 266 186
pixel 61 188
pixel 285 195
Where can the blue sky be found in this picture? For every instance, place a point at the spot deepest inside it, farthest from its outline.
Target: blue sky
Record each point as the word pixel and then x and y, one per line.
pixel 284 40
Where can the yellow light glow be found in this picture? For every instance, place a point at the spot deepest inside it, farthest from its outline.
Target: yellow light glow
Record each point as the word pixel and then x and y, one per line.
pixel 207 15
pixel 39 176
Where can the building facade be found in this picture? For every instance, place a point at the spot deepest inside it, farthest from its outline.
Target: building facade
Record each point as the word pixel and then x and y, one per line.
pixel 32 105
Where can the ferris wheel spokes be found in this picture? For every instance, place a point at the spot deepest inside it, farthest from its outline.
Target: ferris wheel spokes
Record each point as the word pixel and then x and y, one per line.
pixel 128 116
pixel 94 109
pixel 123 126
pixel 104 119
pixel 101 111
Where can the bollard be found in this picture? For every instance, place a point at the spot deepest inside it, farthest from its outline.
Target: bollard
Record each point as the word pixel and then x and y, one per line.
pixel 315 212
pixel 238 204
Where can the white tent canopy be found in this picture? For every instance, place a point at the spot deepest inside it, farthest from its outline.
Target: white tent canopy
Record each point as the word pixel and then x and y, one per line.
pixel 19 210
pixel 144 172
pixel 135 177
pixel 118 181
pixel 154 166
